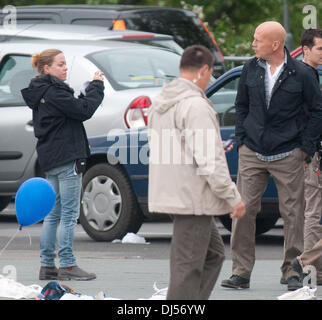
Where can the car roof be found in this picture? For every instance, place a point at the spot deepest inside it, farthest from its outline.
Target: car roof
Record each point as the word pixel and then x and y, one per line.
pixel 77 32
pixel 71 47
pixel 98 7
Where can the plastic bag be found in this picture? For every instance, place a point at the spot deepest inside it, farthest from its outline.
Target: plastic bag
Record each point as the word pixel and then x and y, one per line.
pixel 9 288
pixel 305 293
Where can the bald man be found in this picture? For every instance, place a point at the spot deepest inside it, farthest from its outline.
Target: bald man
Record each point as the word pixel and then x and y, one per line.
pixel 278 120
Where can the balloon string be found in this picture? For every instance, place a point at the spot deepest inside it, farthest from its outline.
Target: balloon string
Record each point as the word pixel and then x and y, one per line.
pixel 7 244
pixel 30 242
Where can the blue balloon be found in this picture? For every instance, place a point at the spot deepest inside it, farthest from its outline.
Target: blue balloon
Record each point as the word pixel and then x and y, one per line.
pixel 34 200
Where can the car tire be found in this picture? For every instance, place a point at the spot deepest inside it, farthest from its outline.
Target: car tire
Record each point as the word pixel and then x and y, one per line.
pixel 109 208
pixel 4 201
pixel 263 224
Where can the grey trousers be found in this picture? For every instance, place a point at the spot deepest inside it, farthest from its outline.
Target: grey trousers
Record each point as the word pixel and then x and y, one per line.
pixel 253 175
pixel 313 209
pixel 197 255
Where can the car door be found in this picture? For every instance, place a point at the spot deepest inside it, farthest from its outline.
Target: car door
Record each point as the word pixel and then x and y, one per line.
pixel 17 141
pixel 222 95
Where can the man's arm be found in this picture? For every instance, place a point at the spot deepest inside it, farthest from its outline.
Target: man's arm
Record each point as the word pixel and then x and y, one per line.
pixel 313 99
pixel 242 108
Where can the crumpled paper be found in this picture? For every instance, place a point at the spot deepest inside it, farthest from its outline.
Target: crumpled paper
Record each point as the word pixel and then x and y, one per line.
pixel 305 293
pixel 160 294
pixel 131 238
pixel 10 288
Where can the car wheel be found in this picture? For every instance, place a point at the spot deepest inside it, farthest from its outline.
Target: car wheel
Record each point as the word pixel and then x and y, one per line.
pixel 263 224
pixel 109 207
pixel 4 201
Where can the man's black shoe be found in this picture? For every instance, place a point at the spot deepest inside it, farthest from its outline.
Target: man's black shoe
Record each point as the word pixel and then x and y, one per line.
pixel 235 282
pixel 297 267
pixel 294 283
pixel 48 273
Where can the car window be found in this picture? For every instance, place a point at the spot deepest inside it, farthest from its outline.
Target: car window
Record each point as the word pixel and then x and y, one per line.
pixel 108 23
pixel 176 23
pixel 223 101
pixel 136 68
pixel 15 74
pixel 34 20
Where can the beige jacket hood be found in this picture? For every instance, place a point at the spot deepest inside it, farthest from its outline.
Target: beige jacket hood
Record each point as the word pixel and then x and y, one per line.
pixel 188 171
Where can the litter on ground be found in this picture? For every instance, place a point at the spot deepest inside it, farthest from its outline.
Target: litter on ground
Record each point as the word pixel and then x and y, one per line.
pixel 131 238
pixel 10 288
pixel 53 290
pixel 305 293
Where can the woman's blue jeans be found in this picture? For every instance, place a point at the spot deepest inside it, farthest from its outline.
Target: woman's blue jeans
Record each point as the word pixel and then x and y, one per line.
pixel 62 220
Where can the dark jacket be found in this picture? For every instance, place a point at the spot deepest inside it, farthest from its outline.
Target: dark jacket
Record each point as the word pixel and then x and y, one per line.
pixel 293 118
pixel 58 119
pixel 315 71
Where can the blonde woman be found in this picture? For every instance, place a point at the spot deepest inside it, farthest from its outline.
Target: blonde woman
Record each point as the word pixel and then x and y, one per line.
pixel 62 149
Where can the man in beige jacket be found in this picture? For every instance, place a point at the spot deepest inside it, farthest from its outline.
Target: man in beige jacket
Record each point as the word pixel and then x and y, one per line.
pixel 189 177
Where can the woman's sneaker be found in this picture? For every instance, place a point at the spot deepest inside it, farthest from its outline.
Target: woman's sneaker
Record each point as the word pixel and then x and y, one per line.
pixel 74 273
pixel 48 273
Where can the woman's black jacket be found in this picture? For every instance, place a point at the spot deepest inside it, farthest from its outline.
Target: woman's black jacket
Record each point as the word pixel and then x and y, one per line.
pixel 58 119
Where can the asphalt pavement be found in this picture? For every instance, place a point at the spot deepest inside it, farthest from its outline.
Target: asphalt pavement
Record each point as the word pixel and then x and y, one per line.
pixel 129 271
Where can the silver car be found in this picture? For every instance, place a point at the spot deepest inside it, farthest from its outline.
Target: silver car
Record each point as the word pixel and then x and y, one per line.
pixel 82 32
pixel 133 74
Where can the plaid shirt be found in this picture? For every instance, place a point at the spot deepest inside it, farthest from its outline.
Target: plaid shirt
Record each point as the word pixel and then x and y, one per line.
pixel 275 157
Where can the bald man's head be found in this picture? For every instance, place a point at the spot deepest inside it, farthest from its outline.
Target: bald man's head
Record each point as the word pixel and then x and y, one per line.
pixel 274 30
pixel 269 39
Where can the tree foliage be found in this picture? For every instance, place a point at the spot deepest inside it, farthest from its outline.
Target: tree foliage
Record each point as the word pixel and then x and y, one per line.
pixel 232 22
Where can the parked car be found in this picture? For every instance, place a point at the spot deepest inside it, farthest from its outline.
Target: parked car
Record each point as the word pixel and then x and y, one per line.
pixel 116 182
pixel 133 74
pixel 185 27
pixel 82 32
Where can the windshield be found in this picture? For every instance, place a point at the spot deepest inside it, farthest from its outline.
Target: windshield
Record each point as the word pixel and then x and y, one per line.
pixel 137 68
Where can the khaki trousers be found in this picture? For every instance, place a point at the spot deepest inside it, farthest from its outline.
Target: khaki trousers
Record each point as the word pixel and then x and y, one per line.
pixel 312 256
pixel 313 208
pixel 197 255
pixel 253 175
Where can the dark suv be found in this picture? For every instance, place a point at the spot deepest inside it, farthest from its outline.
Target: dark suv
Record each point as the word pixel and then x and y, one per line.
pixel 185 27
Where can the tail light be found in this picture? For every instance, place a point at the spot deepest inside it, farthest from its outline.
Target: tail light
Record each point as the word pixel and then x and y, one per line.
pixel 136 115
pixel 119 24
